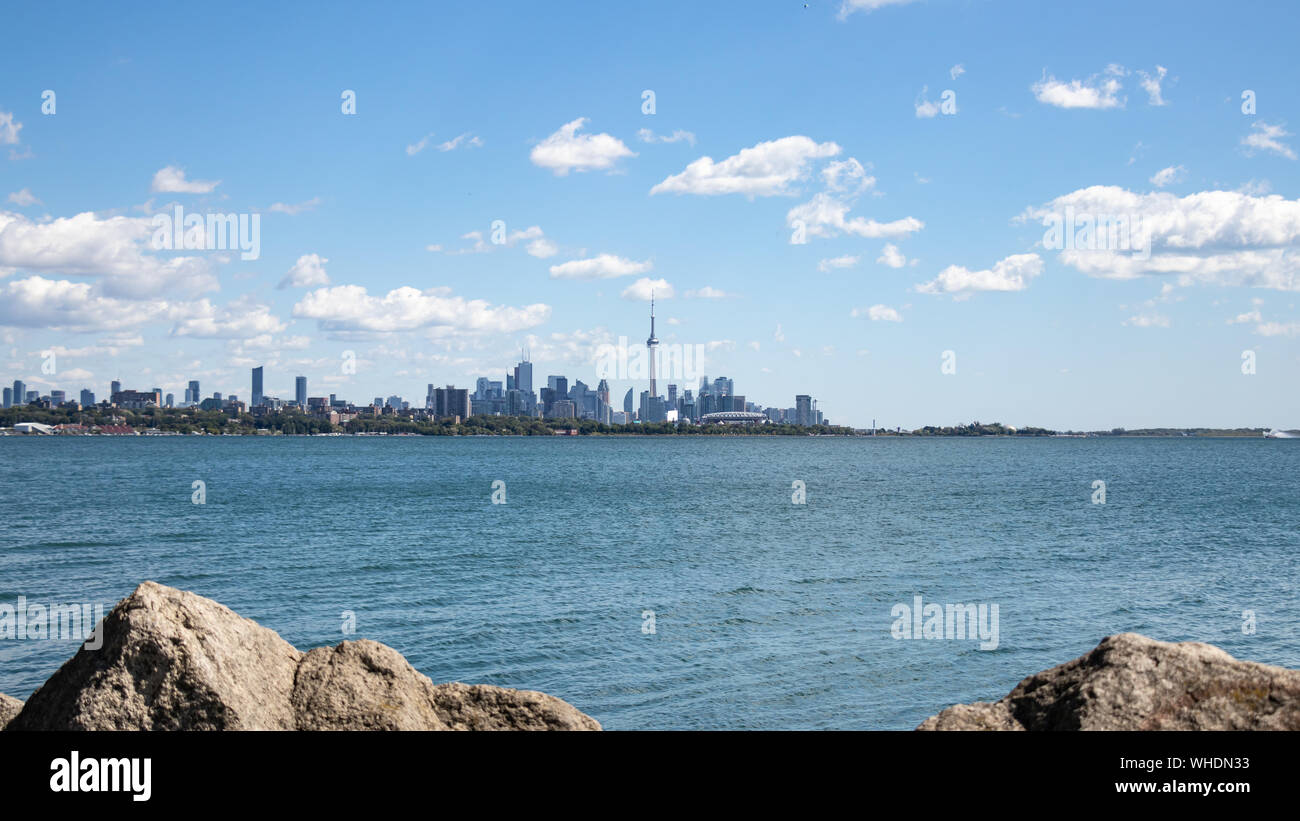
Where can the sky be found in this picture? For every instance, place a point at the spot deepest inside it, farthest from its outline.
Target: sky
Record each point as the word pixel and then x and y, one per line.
pixel 853 200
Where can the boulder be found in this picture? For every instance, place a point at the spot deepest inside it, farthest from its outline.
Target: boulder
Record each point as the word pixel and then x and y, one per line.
pixel 173 660
pixel 9 707
pixel 1131 682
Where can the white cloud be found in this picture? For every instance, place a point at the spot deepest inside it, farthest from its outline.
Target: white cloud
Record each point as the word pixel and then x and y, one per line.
pixel 294 208
pixel 1151 85
pixel 171 180
pixel 1268 138
pixel 826 215
pixel 24 198
pixel 1213 237
pixel 542 248
pixel 764 170
pixel 602 266
pixel 1168 176
pixel 307 272
pixel 1095 92
pixel 113 248
pixel 877 313
pixel 1278 329
pixel 848 176
pixel 845 261
pixel 956 71
pixel 645 135
pixel 644 287
pixel 566 150
pixel 242 319
pixel 778 334
pixel 707 292
pixel 1010 274
pixel 9 128
pixel 36 302
pixel 926 109
pixel 349 308
pixel 466 139
pixel 891 256
pixel 1148 321
pixel 850 6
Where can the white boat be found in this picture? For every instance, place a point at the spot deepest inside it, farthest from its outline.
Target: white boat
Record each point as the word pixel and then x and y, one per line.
pixel 1273 433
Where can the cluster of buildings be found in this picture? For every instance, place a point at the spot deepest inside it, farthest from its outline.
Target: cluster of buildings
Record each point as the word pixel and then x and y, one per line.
pixel 711 402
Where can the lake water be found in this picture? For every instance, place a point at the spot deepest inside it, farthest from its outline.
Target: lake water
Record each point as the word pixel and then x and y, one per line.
pixel 765 613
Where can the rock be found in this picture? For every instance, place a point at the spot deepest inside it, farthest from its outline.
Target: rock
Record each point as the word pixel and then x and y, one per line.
pixel 1131 682
pixel 173 660
pixel 365 685
pixel 9 707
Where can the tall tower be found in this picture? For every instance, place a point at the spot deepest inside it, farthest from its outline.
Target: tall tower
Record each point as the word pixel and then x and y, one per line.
pixel 651 344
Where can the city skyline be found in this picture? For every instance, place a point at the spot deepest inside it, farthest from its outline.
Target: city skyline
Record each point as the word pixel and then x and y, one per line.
pixel 881 211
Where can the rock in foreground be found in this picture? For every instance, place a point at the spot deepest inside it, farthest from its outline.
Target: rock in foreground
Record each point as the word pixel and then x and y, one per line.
pixel 1131 682
pixel 9 707
pixel 173 660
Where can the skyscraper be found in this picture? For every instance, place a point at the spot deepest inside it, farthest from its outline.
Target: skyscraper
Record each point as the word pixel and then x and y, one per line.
pixel 114 387
pixel 9 397
pixel 195 396
pixel 257 387
pixel 300 392
pixel 20 393
pixel 651 344
pixel 524 375
pixel 803 409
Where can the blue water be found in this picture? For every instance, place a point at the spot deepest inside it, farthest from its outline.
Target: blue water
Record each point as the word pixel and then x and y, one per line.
pixel 767 614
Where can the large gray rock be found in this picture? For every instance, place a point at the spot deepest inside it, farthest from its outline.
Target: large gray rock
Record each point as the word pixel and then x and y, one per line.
pixel 9 707
pixel 173 660
pixel 1131 682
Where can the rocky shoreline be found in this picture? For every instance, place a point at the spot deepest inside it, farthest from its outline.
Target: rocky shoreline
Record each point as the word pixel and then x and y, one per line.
pixel 174 660
pixel 1131 682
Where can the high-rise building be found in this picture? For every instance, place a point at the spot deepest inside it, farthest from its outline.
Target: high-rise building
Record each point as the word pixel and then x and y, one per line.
pixel 58 397
pixel 451 401
pixel 803 409
pixel 171 399
pixel 524 375
pixel 627 403
pixel 257 387
pixel 20 393
pixel 300 391
pixel 195 396
pixel 9 397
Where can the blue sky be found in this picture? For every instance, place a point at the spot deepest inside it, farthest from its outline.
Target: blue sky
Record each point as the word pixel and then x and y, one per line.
pixel 923 234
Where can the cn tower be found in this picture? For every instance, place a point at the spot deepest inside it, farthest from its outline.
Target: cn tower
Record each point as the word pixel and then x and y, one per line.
pixel 650 345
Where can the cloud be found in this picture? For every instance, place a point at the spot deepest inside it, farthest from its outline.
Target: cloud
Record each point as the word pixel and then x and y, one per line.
pixel 1212 237
pixel 1095 92
pixel 707 292
pixel 867 6
pixel 112 248
pixel 891 256
pixel 465 139
pixel 244 318
pixel 171 180
pixel 1264 328
pixel 602 266
pixel 1010 274
pixel 845 261
pixel 826 215
pixel 1148 321
pixel 926 109
pixel 307 272
pixel 847 176
pixel 349 308
pixel 645 135
pixel 778 334
pixel 24 198
pixel 877 313
pixel 956 71
pixel 763 170
pixel 1151 85
pixel 295 208
pixel 566 150
pixel 9 128
pixel 1268 138
pixel 542 248
pixel 644 287
pixel 36 302
pixel 1168 176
